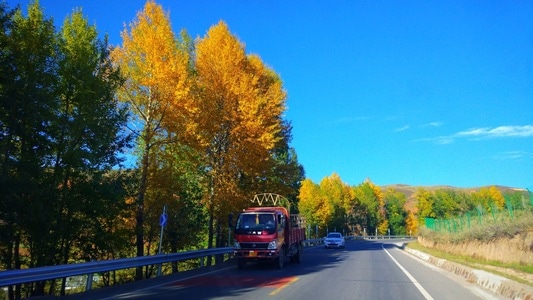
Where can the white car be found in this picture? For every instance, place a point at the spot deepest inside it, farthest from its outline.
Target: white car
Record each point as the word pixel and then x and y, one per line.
pixel 334 240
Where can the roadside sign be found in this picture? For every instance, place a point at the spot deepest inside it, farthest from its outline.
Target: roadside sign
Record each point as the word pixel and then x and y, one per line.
pixel 163 220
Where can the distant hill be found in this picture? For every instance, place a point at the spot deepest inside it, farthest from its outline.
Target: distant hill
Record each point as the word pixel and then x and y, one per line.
pixel 410 190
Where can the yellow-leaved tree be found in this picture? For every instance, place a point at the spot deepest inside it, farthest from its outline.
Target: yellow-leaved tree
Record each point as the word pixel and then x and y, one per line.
pixel 238 121
pixel 497 196
pixel 489 198
pixel 156 88
pixel 411 224
pixel 425 203
pixel 311 205
pixel 337 194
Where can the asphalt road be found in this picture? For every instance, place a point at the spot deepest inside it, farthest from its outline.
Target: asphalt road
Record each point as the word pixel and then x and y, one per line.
pixel 363 270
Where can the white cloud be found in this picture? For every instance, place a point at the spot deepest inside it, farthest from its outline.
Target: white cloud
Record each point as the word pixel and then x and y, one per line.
pixel 501 131
pixel 402 128
pixel 485 133
pixel 512 155
pixel 443 140
pixel 432 124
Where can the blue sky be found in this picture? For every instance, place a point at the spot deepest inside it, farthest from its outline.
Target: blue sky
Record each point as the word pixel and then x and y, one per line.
pixel 401 92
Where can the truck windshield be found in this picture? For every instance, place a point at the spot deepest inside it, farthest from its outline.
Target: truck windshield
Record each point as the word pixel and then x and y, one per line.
pixel 256 221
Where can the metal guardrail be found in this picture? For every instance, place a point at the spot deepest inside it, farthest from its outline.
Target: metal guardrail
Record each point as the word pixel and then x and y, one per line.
pixel 19 276
pixel 313 242
pixel 319 241
pixel 385 237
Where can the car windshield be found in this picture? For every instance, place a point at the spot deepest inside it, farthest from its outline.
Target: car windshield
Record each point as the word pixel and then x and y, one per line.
pixel 256 221
pixel 334 235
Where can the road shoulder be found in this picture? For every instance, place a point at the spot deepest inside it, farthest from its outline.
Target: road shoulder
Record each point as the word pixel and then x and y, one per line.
pixel 497 284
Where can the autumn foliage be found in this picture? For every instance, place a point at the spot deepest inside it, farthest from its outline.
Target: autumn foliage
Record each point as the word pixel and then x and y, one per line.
pixel 367 209
pixel 353 210
pixel 204 112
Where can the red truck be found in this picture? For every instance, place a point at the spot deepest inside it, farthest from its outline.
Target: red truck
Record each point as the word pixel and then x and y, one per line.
pixel 268 234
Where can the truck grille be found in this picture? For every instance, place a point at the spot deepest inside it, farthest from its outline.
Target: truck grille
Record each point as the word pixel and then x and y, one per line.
pixel 254 246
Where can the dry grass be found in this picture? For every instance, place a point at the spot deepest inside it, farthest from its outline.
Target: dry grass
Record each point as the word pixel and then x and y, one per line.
pixel 490 229
pixel 515 272
pixel 503 246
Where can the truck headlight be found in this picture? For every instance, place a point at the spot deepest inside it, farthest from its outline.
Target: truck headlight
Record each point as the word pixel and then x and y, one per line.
pixel 273 245
pixel 236 245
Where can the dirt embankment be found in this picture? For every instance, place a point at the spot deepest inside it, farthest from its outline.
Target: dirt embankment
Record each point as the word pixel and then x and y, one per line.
pixel 518 249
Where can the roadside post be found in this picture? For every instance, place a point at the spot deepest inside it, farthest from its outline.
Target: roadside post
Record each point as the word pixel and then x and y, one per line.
pixel 162 223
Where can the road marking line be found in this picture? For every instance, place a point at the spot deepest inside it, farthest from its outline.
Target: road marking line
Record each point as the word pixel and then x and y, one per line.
pixel 413 280
pixel 276 291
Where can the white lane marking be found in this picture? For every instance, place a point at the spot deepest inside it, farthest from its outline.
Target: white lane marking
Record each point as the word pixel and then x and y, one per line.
pixel 413 280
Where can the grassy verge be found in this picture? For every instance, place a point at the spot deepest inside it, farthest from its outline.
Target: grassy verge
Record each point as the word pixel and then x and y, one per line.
pixel 515 272
pixel 489 228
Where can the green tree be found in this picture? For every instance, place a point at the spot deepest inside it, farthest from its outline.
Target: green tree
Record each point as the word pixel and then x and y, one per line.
pixel 10 230
pixel 445 203
pixel 88 137
pixel 176 181
pixel 60 134
pixel 28 105
pixel 396 213
pixel 465 202
pixel 519 199
pixel 369 214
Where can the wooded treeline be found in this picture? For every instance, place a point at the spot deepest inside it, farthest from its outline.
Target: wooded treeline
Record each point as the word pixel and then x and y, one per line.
pixel 204 118
pixel 367 209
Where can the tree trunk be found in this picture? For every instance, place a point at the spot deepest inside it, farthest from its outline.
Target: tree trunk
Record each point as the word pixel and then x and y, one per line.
pixel 210 235
pixel 139 230
pixel 219 258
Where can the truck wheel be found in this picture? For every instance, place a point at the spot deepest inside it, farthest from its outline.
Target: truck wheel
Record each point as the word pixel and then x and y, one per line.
pixel 241 263
pixel 297 257
pixel 281 259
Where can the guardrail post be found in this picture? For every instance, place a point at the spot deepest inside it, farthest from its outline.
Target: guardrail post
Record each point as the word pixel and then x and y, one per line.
pixel 89 284
pixel 159 270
